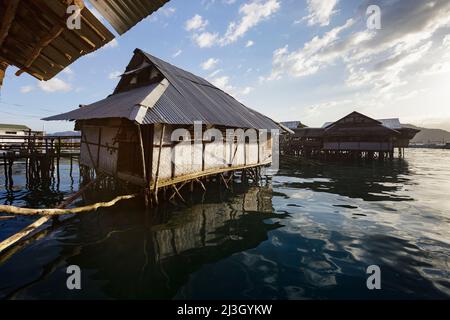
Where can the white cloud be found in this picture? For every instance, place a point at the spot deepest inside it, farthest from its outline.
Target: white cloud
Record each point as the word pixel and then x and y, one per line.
pixel 446 41
pixel 309 59
pixel 112 44
pixel 252 14
pixel 214 73
pixel 224 84
pixel 68 70
pixel 196 23
pixel 167 11
pixel 55 85
pixel 246 91
pixel 114 75
pixel 320 11
pixel 206 39
pixel 26 89
pixel 176 54
pixel 380 60
pixel 209 64
pixel 249 44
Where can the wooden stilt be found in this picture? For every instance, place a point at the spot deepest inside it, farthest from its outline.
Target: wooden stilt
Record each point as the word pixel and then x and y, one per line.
pixel 155 189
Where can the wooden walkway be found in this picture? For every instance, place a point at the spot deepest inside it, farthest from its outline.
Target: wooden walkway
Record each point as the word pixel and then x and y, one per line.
pixel 41 154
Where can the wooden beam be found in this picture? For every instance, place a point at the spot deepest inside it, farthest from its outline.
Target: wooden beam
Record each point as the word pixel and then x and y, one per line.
pixel 141 144
pixel 224 180
pixel 7 19
pixel 159 157
pixel 3 66
pixel 78 3
pixel 201 184
pixel 43 42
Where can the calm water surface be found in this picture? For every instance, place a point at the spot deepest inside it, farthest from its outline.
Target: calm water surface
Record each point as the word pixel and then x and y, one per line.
pixel 310 233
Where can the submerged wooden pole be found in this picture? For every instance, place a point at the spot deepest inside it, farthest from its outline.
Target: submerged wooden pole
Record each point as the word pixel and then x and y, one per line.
pixel 58 212
pixel 7 243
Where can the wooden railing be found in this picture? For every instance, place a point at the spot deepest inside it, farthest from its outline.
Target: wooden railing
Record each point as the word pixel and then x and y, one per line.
pixel 28 144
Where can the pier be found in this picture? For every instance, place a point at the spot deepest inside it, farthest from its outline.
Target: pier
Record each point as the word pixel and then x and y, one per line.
pixel 41 154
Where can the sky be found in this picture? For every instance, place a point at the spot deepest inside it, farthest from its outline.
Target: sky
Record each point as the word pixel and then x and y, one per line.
pixel 308 60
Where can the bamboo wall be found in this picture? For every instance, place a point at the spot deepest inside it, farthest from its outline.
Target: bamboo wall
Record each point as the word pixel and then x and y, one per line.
pixel 217 155
pixel 100 149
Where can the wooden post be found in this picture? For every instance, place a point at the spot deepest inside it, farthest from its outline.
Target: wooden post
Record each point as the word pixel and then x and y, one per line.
pixel 91 158
pixel 158 162
pixel 144 165
pixel 141 144
pixel 99 141
pixel 10 173
pixel 71 165
pixel 58 155
pixel 5 169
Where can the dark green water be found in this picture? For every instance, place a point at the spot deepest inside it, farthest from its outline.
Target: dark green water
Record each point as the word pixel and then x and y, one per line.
pixel 310 233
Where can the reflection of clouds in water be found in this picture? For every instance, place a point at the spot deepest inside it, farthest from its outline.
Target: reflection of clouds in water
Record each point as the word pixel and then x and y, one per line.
pixel 312 236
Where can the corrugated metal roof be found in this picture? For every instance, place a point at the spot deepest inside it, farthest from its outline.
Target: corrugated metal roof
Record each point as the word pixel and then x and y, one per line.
pixel 124 14
pixel 35 37
pixel 13 126
pixel 309 132
pixel 121 105
pixel 191 98
pixel 293 124
pixel 186 98
pixel 393 123
pixel 37 20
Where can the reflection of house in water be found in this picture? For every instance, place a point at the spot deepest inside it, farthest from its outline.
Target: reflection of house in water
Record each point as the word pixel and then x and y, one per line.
pixel 210 225
pixel 377 182
pixel 129 256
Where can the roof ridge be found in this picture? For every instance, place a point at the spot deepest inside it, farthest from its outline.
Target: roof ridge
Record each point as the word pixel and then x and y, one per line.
pixel 208 84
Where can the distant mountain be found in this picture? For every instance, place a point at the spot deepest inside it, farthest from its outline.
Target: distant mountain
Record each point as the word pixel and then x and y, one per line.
pixel 65 133
pixel 429 135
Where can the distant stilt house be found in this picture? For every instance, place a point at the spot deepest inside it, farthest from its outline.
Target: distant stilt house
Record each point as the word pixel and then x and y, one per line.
pixel 16 133
pixel 354 135
pixel 162 126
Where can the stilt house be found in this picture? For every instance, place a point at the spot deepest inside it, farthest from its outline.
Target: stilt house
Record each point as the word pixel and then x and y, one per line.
pixel 145 132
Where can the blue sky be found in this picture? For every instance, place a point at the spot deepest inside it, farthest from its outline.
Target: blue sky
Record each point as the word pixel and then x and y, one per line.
pixel 308 60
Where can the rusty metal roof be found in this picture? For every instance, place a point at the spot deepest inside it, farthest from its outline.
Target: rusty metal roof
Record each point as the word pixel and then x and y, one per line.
pixel 38 41
pixel 186 98
pixel 35 38
pixel 124 14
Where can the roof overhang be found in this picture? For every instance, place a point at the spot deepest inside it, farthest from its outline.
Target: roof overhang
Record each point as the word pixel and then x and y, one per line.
pixel 124 14
pixel 131 105
pixel 35 36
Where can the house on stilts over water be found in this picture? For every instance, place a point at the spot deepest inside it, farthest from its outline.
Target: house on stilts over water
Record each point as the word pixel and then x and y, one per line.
pixel 164 127
pixel 354 136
